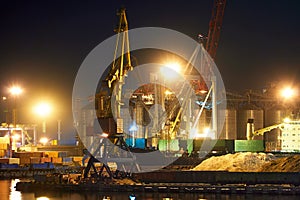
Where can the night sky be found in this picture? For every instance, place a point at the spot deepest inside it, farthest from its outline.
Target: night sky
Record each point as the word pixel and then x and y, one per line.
pixel 42 43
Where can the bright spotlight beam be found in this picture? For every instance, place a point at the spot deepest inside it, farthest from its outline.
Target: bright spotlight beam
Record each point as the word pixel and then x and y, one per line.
pixel 287 93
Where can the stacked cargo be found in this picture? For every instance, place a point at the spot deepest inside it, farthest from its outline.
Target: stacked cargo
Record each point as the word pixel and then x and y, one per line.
pixel 67 160
pixel 51 154
pixel 4 142
pixel 56 160
pixel 27 158
pixel 9 161
pixel 45 160
pixel 35 160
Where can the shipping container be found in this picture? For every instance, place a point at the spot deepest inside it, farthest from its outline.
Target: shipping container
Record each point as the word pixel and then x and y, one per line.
pixel 56 160
pixel 4 140
pixel 51 154
pixel 136 142
pixel 41 166
pixel 62 154
pixel 67 160
pixel 8 166
pixel 10 160
pixel 35 160
pixel 28 154
pixel 4 146
pixel 45 159
pixel 249 145
pixel 168 145
pixel 2 153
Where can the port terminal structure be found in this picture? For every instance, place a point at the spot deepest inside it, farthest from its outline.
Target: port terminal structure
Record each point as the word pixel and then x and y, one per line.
pixel 113 133
pixel 234 131
pixel 285 183
pixel 111 89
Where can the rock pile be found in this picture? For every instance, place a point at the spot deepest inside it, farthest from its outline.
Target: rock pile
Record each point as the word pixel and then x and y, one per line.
pixel 285 164
pixel 238 162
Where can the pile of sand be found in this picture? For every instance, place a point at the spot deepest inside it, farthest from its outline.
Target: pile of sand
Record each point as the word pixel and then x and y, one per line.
pixel 285 164
pixel 238 162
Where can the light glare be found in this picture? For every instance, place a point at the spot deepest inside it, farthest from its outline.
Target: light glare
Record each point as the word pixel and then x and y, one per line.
pixel 44 140
pixel 43 109
pixel 15 90
pixel 174 66
pixel 287 93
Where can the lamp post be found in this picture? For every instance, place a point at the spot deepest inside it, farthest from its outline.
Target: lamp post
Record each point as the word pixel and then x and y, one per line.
pixel 15 91
pixel 288 96
pixel 43 109
pixel 288 93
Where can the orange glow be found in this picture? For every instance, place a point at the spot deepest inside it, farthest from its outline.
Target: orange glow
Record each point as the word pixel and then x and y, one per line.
pixel 15 90
pixel 43 109
pixel 288 93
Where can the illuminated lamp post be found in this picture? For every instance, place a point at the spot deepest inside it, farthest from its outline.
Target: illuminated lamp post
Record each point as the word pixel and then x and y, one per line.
pixel 288 95
pixel 15 91
pixel 43 109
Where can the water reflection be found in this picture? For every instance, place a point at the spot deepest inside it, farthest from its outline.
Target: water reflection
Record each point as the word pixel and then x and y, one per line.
pixel 8 192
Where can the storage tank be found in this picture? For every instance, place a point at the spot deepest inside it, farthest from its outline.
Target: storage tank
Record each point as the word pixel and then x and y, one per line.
pixel 274 115
pixel 229 130
pixel 246 112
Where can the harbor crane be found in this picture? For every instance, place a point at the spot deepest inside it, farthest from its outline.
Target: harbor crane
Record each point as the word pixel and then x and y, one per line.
pixel 109 144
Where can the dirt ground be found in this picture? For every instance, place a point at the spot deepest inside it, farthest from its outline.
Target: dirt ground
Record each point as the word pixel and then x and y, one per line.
pixel 250 162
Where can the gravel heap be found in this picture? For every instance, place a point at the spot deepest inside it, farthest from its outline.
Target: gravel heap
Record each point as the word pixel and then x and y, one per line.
pixel 285 164
pixel 238 162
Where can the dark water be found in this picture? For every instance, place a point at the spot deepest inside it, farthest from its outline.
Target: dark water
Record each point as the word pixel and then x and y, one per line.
pixel 8 192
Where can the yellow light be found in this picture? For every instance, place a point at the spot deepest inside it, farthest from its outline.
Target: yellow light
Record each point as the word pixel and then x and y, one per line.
pixel 206 130
pixel 42 198
pixel 287 93
pixel 44 140
pixel 16 137
pixel 174 66
pixel 15 90
pixel 105 135
pixel 170 70
pixel 286 120
pixel 167 92
pixel 43 109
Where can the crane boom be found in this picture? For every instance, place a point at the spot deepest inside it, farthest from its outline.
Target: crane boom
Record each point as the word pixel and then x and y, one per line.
pixel 111 88
pixel 251 133
pixel 215 25
pixel 267 129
